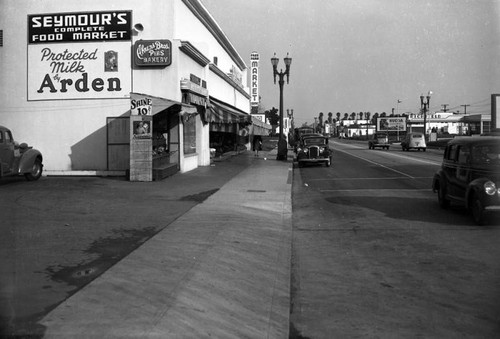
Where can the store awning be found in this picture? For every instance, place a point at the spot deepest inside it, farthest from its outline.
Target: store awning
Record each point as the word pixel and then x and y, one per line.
pixel 259 127
pixel 225 114
pixel 157 104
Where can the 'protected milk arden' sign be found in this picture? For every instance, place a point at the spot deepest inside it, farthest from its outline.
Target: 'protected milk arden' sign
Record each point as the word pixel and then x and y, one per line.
pixel 83 55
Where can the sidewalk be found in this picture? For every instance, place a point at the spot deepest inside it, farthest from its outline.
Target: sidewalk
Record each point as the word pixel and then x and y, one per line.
pixel 222 270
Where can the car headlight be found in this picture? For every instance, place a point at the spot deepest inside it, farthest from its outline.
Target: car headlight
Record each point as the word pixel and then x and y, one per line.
pixel 490 188
pixel 322 149
pixel 306 150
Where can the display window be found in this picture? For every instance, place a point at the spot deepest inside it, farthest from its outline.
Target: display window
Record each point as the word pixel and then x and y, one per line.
pixel 189 134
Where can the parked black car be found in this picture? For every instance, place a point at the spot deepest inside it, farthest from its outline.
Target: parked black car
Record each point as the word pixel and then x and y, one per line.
pixel 297 133
pixel 470 175
pixel 314 148
pixel 18 159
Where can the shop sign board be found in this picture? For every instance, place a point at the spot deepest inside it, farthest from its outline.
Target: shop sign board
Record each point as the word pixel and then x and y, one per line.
pixel 140 105
pixel 261 117
pixel 83 55
pixel 153 53
pixel 254 79
pixel 79 27
pixel 391 124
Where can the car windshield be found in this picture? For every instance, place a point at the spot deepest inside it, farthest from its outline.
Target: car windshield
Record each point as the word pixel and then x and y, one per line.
pixel 381 136
pixel 417 136
pixel 305 131
pixel 314 141
pixel 486 154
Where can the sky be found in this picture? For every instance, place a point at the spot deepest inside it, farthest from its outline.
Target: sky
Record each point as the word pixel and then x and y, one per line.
pixel 365 55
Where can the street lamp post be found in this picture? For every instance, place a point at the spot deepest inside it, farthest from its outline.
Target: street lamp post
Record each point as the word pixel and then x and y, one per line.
pixel 282 148
pixel 424 105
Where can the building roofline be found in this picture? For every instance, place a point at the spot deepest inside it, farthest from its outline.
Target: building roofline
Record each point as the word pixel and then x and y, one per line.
pixel 201 12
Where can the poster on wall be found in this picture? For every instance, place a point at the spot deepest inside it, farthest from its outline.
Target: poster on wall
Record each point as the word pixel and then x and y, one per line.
pixel 83 55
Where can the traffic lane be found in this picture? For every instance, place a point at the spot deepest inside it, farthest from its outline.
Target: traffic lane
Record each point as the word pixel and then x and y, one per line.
pixel 362 169
pixel 389 262
pixel 380 180
pixel 416 164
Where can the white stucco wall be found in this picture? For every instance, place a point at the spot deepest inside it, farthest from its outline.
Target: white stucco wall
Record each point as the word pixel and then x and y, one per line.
pixel 71 134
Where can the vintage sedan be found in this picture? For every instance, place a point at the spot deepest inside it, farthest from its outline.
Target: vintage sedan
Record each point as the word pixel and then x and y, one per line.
pixel 18 159
pixel 379 140
pixel 470 175
pixel 414 141
pixel 314 149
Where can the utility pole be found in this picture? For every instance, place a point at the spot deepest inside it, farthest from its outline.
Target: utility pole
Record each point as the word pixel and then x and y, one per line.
pixel 444 107
pixel 465 108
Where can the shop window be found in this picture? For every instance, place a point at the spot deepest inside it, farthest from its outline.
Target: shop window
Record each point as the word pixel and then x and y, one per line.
pixel 486 126
pixel 189 121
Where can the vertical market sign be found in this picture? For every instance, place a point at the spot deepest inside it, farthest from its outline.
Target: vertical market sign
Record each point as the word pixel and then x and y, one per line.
pixel 83 55
pixel 254 79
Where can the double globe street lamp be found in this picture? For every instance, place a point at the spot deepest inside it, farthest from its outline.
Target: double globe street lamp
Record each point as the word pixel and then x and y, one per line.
pixel 282 147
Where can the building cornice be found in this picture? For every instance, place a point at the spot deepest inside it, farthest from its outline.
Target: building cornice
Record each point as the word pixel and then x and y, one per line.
pixel 197 8
pixel 230 81
pixel 194 53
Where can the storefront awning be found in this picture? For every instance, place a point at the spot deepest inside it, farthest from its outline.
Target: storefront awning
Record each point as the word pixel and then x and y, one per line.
pixel 157 104
pixel 225 114
pixel 259 127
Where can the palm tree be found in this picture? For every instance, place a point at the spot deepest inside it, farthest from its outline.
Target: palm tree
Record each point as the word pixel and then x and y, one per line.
pixel 346 116
pixel 338 116
pixel 353 116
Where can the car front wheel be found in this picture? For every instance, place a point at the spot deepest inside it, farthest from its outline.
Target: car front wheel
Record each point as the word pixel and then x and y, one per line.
pixel 36 171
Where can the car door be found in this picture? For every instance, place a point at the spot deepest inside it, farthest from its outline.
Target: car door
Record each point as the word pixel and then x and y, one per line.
pixel 6 151
pixel 450 169
pixel 463 171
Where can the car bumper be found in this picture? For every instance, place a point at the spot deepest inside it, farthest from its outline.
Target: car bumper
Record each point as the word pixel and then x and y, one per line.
pixel 314 160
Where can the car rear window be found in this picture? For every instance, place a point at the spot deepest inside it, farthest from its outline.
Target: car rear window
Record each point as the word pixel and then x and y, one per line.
pixel 417 135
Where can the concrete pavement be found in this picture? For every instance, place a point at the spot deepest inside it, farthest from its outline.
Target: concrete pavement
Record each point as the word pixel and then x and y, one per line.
pixel 221 270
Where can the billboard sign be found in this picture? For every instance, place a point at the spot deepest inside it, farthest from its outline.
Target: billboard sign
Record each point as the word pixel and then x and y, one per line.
pixel 79 56
pixel 79 27
pixel 391 124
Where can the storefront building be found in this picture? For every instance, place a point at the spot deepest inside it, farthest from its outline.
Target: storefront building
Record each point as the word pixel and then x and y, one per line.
pixel 115 87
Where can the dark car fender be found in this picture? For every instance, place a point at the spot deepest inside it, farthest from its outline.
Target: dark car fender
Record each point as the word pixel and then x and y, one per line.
pixel 475 188
pixel 28 158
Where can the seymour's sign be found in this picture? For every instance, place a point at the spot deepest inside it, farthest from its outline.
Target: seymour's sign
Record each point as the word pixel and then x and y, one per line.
pixel 153 53
pixel 81 26
pixel 68 60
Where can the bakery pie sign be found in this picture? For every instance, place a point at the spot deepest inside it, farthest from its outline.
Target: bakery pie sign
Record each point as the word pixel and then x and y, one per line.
pixel 153 53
